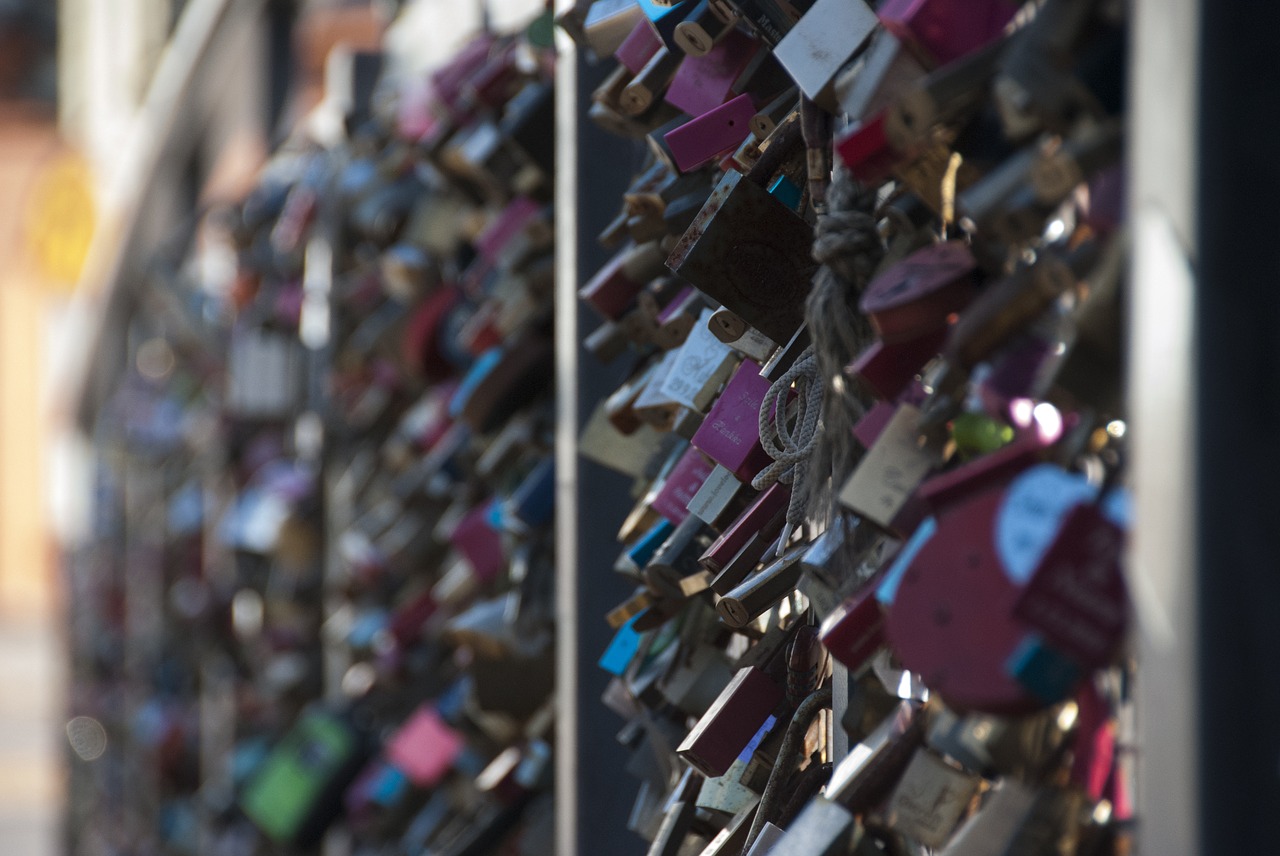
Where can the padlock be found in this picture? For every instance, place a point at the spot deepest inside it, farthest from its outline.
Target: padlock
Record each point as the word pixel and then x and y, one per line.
pixel 757 520
pixel 730 434
pixel 771 19
pixel 712 134
pixel 878 76
pixel 928 801
pixel 705 27
pixel 294 794
pixel 735 717
pixel 638 48
pixel 881 488
pixel 945 31
pixel 747 251
pixel 759 593
pixel 705 82
pixel 825 38
pixel 651 81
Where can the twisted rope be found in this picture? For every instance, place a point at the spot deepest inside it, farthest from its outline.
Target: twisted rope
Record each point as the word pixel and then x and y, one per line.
pixel 789 435
pixel 847 245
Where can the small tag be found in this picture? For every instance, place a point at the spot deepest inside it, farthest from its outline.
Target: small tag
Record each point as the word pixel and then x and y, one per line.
pixel 681 485
pixel 754 345
pixel 715 495
pixel 698 367
pixel 891 470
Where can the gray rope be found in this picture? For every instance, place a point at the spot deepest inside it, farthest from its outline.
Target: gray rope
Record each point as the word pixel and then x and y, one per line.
pixel 791 447
pixel 848 248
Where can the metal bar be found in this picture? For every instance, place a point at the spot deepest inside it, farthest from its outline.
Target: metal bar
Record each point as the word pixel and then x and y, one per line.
pixel 1162 390
pixel 593 801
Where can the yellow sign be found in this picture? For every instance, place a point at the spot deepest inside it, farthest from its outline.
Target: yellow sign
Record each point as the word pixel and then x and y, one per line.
pixel 60 220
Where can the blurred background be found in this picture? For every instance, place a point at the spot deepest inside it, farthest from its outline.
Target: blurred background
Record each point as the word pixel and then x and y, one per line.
pixel 118 118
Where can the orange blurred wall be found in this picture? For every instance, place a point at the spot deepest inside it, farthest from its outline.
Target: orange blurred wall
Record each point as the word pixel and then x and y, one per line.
pixel 31 712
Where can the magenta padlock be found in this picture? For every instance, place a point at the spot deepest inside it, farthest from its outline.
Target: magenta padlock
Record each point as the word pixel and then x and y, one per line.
pixel 770 503
pixel 684 480
pixel 703 83
pixel 886 369
pixel 950 610
pixel 450 80
pixel 866 150
pixel 639 47
pixel 1094 750
pixel 1076 598
pixel 732 720
pixel 512 220
pixel 479 544
pixel 920 293
pixel 873 422
pixel 994 469
pixel 711 135
pixel 613 288
pixel 495 82
pixel 730 435
pixel 855 630
pixel 945 30
pixel 425 747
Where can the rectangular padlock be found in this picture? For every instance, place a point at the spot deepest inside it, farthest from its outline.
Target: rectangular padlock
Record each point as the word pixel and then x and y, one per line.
pixel 730 840
pixel 854 632
pixel 866 150
pixel 878 77
pixel 716 496
pixel 890 472
pixel 823 828
pixel 638 48
pixel 425 747
pixel 680 486
pixel 693 686
pixel 928 801
pixel 628 454
pixel 886 370
pixel 873 768
pixel 706 25
pixel 771 19
pixel 758 594
pixel 712 134
pixel 754 550
pixel 735 717
pixel 608 23
pixel 699 368
pixel 750 253
pixel 944 30
pixel 704 83
pixel 650 82
pixel 945 96
pixel 756 518
pixel 727 794
pixel 730 435
pixel 829 34
pixel 664 19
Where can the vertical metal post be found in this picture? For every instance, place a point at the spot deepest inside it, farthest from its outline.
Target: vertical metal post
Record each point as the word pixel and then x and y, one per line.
pixel 593 794
pixel 1162 385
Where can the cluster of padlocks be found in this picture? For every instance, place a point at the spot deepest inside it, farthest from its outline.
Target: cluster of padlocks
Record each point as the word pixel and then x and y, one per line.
pixel 868 286
pixel 325 494
pixel 869 282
